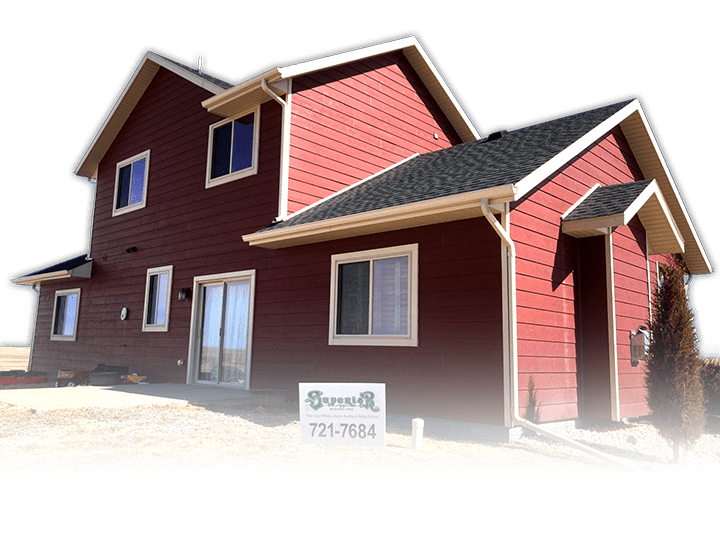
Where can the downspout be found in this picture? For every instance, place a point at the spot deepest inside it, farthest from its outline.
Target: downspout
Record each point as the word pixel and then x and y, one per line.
pixel 512 346
pixel 36 289
pixel 285 147
pixel 92 218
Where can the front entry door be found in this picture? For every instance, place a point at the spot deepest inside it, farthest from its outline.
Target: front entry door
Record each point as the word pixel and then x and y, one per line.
pixel 223 329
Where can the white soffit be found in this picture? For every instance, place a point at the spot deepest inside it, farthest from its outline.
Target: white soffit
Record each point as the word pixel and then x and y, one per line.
pixel 127 101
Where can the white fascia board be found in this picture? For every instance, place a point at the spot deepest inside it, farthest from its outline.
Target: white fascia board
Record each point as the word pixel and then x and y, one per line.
pixel 528 183
pixel 186 74
pixel 130 93
pixel 304 68
pixel 675 193
pixel 405 44
pixel 82 271
pixel 579 201
pixel 450 208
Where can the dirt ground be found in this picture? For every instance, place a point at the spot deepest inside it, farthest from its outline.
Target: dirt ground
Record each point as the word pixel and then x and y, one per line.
pixel 190 471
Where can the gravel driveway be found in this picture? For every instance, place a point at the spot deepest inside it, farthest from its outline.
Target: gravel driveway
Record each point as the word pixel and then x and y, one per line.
pixel 196 471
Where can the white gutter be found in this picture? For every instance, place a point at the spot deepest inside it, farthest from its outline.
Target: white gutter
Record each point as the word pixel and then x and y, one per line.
pixel 285 147
pixel 510 276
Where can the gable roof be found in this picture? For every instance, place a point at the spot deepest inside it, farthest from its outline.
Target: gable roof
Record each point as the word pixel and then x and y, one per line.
pixel 606 207
pixel 129 98
pixel 449 184
pixel 250 93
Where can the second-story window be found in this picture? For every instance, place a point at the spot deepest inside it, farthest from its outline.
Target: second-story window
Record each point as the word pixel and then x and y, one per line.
pixel 131 183
pixel 233 148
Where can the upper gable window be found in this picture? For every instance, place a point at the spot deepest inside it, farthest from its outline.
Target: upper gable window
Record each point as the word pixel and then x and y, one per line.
pixel 131 183
pixel 233 148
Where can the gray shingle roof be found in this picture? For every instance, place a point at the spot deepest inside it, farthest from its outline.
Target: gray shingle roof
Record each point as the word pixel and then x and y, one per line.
pixel 214 80
pixel 468 167
pixel 608 200
pixel 70 264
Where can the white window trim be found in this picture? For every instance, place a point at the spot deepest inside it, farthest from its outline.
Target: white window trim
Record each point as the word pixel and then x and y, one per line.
pixel 137 206
pixel 154 272
pixel 61 337
pixel 212 182
pixel 409 340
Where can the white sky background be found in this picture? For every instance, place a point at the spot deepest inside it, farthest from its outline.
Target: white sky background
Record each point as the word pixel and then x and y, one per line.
pixel 15 317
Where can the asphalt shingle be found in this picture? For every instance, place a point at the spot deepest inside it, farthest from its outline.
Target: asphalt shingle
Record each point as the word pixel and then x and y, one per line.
pixel 608 200
pixel 468 167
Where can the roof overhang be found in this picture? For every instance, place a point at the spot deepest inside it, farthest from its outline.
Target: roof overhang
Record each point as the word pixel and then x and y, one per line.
pixel 125 104
pixel 652 209
pixel 242 97
pixel 83 270
pixel 451 208
pixel 635 127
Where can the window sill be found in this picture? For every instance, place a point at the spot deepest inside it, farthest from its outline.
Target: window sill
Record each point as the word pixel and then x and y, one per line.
pixel 374 341
pixel 212 182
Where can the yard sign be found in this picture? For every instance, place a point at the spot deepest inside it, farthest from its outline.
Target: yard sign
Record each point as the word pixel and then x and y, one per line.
pixel 344 414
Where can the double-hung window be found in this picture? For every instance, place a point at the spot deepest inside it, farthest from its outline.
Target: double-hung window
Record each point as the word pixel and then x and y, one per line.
pixel 233 148
pixel 157 299
pixel 374 297
pixel 131 183
pixel 65 315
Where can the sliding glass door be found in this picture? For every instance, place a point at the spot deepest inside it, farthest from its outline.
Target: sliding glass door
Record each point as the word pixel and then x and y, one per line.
pixel 223 329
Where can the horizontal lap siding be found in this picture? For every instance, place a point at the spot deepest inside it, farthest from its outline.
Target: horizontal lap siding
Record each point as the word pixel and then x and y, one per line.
pixel 355 120
pixel 197 230
pixel 456 369
pixel 546 275
pixel 632 310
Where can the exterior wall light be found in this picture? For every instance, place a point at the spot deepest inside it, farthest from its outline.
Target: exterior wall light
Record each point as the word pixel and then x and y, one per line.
pixel 131 249
pixel 183 294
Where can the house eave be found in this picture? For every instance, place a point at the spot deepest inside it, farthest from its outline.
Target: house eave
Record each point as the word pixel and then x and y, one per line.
pixel 440 210
pixel 83 271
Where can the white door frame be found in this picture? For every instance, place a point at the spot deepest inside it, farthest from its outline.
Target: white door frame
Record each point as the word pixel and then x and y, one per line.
pixel 196 321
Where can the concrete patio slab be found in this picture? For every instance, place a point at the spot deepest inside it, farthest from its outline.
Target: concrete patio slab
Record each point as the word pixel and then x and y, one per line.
pixel 38 399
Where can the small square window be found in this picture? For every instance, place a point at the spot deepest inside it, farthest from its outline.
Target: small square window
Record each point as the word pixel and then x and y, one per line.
pixel 65 315
pixel 233 149
pixel 157 299
pixel 374 297
pixel 131 183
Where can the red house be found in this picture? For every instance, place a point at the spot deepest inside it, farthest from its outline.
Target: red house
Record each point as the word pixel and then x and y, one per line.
pixel 341 220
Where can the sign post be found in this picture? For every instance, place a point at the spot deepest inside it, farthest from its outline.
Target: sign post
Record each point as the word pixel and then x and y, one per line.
pixel 344 414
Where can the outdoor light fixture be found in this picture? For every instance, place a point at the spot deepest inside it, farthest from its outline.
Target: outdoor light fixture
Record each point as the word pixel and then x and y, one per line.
pixel 183 294
pixel 132 249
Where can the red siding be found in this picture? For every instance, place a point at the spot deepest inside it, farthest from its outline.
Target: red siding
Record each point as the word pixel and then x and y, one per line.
pixel 632 310
pixel 197 230
pixel 456 369
pixel 355 120
pixel 547 266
